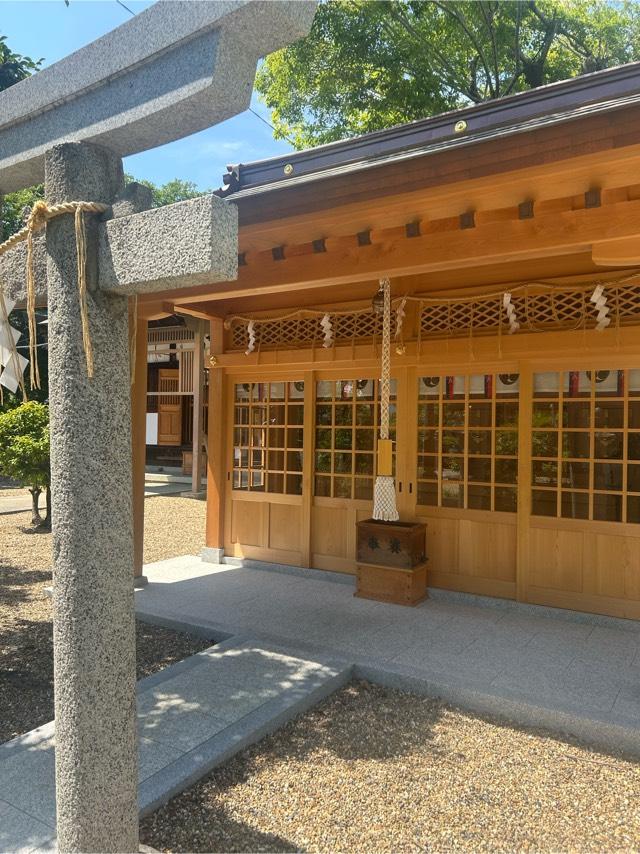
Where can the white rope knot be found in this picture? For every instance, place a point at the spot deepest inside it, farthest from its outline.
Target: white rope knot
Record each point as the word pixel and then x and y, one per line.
pixel 327 329
pixel 251 333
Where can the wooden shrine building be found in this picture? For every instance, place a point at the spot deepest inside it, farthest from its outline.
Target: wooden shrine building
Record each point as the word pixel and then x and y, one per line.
pixel 516 391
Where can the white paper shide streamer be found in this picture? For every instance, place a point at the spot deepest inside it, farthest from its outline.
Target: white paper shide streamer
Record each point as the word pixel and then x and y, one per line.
pixel 511 313
pixel 251 332
pixel 12 364
pixel 599 300
pixel 327 329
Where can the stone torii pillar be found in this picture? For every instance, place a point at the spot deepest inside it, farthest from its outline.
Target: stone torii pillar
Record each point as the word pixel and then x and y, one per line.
pixel 176 68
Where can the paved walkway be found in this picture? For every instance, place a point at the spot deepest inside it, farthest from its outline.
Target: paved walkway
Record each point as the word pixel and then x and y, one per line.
pixel 191 716
pixel 573 672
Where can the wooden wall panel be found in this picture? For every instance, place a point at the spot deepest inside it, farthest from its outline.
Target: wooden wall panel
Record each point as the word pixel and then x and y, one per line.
pixel 487 550
pixel 247 522
pixel 556 559
pixel 284 527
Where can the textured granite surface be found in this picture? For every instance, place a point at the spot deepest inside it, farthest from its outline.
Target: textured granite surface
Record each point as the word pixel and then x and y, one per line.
pixel 94 642
pixel 172 70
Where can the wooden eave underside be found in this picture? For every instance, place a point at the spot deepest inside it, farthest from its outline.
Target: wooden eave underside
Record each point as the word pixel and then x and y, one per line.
pixel 468 207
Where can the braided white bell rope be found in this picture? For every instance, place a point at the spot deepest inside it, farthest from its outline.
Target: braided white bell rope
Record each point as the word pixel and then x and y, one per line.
pixel 384 490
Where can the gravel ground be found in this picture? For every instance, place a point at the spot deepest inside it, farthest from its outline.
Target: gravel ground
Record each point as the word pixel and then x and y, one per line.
pixel 26 665
pixel 372 769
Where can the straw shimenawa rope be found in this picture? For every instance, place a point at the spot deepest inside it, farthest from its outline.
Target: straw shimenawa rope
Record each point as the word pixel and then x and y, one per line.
pixel 39 216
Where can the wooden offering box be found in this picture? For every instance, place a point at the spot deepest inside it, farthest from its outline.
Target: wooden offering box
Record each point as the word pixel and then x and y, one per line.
pixel 391 561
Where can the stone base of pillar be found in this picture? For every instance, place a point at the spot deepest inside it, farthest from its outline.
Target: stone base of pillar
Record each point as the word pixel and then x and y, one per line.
pixel 211 555
pixel 140 581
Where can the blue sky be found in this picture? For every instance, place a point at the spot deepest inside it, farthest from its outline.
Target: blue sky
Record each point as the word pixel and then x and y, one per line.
pixel 49 29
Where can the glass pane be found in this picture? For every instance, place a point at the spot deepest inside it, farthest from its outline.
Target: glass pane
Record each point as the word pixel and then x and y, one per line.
pixel 259 415
pixel 544 473
pixel 242 415
pixel 609 383
pixel 363 488
pixel 507 415
pixel 241 479
pixel 294 484
pixel 479 469
pixel 453 441
pixel 480 442
pixel 506 443
pixel 343 439
pixel 633 509
pixel 609 413
pixel 428 441
pixel 543 503
pixel 576 445
pixel 258 481
pixel 260 391
pixel 506 500
pixel 546 385
pixel 506 471
pixel 323 414
pixel 323 461
pixel 633 452
pixel 295 414
pixel 365 388
pixel 545 415
pixel 576 413
pixel 364 464
pixel 429 387
pixel 544 444
pixel 634 414
pixel 325 390
pixel 342 487
pixel 634 383
pixel 295 437
pixel 453 388
pixel 608 446
pixel 428 468
pixel 577 384
pixel 575 475
pixel 507 385
pixel 607 476
pixel 452 468
pixel 428 494
pixel 453 414
pixel 275 482
pixel 607 508
pixel 258 437
pixel 364 414
pixel 344 389
pixel 479 497
pixel 343 414
pixel 480 414
pixel 323 438
pixel 294 461
pixel 452 494
pixel 276 414
pixel 258 459
pixel 575 505
pixel 276 437
pixel 633 478
pixel 276 460
pixel 323 486
pixel 241 458
pixel 342 463
pixel 242 391
pixel 240 436
pixel 364 440
pixel 481 386
pixel 296 390
pixel 428 415
pixel 276 391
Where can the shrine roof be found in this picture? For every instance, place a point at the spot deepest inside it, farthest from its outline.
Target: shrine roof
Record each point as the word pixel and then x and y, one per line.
pixel 589 95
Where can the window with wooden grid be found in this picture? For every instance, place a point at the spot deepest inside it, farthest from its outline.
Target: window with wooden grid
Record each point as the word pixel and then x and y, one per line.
pixel 468 441
pixel 586 445
pixel 268 437
pixel 347 424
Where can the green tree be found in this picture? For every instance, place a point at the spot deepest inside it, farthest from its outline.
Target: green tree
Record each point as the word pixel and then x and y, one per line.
pixel 172 191
pixel 370 65
pixel 13 67
pixel 24 452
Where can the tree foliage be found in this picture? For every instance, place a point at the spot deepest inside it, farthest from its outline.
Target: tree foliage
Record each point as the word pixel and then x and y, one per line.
pixel 24 450
pixel 370 65
pixel 13 66
pixel 172 191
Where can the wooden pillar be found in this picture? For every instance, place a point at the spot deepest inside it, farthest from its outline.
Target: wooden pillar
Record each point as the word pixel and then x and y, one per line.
pixel 138 445
pixel 216 468
pixel 198 386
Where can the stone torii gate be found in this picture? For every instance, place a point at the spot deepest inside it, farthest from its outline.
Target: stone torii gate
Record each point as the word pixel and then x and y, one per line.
pixel 174 69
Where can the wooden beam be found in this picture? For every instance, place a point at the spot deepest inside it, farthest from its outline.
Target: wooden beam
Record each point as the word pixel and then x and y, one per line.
pixel 216 468
pixel 553 233
pixel 198 387
pixel 139 442
pixel 617 253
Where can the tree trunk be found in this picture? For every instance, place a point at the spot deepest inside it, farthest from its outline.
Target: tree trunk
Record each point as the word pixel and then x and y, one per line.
pixel 36 519
pixel 47 518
